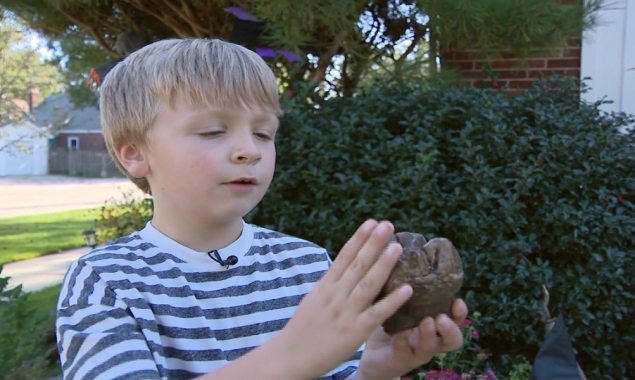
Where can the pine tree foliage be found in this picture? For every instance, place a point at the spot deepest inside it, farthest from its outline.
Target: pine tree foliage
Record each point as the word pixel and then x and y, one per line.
pixel 519 26
pixel 356 38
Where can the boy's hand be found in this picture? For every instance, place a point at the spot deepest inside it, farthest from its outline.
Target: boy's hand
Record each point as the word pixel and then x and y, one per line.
pixel 387 357
pixel 338 315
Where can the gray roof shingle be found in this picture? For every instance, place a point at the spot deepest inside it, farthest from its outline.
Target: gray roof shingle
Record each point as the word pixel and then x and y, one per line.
pixel 58 109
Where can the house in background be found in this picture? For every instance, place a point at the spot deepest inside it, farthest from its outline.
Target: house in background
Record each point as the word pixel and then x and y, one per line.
pixel 608 57
pixel 23 149
pixel 77 146
pixel 605 54
pixel 75 128
pixel 23 144
pixel 54 137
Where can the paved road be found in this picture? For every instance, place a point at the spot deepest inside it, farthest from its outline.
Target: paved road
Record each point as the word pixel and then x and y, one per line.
pixel 28 195
pixel 41 272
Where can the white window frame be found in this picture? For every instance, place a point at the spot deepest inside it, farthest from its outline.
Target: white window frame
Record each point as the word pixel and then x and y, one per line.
pixel 70 140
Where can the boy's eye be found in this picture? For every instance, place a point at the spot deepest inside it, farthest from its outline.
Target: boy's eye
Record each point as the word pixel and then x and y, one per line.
pixel 263 136
pixel 211 133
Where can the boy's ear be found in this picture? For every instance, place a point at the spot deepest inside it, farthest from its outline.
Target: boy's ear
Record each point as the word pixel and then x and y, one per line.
pixel 133 159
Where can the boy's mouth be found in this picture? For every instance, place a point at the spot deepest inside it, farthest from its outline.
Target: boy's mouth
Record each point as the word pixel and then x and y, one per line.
pixel 245 181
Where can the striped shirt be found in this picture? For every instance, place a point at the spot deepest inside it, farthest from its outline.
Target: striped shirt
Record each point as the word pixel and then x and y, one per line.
pixel 147 307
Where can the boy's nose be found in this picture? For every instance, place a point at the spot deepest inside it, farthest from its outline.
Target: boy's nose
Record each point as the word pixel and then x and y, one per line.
pixel 245 152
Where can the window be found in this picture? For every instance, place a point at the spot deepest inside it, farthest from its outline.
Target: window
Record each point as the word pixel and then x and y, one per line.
pixel 73 143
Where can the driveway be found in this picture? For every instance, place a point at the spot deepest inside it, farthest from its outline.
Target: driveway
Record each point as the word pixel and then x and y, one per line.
pixel 29 195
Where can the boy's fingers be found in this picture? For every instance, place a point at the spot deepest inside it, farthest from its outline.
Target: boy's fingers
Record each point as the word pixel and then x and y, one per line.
pixel 402 342
pixel 379 312
pixel 451 337
pixel 370 285
pixel 366 258
pixel 428 342
pixel 459 311
pixel 351 249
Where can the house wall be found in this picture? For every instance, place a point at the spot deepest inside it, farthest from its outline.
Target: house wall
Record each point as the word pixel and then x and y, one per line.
pixel 608 57
pixel 604 57
pixel 515 72
pixel 87 141
pixel 15 161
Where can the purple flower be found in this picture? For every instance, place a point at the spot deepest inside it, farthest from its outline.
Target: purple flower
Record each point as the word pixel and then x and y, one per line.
pixel 241 14
pixel 487 375
pixel 446 374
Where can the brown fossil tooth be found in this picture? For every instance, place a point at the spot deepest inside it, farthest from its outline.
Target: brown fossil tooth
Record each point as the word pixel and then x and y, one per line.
pixel 434 269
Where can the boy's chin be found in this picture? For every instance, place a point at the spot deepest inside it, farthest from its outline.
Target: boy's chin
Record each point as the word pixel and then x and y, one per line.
pixel 239 211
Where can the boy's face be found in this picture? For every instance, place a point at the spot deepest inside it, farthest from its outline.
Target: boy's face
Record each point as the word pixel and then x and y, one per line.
pixel 214 165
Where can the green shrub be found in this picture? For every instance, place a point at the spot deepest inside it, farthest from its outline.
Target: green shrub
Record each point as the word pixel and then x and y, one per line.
pixel 122 217
pixel 521 371
pixel 532 189
pixel 27 338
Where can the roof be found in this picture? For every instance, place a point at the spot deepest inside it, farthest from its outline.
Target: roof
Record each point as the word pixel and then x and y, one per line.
pixel 58 109
pixel 22 104
pixel 18 127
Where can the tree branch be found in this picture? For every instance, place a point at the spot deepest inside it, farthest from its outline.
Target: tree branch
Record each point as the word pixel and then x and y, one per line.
pixel 419 34
pixel 169 21
pixel 12 143
pixel 103 19
pixel 376 32
pixel 92 31
pixel 196 29
pixel 323 63
pixel 103 43
pixel 189 13
pixel 127 17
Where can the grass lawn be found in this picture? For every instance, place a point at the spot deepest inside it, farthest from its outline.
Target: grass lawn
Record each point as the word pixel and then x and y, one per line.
pixel 26 237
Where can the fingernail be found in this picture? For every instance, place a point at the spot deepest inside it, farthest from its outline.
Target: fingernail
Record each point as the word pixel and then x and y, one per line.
pixel 443 318
pixel 369 225
pixel 384 227
pixel 405 290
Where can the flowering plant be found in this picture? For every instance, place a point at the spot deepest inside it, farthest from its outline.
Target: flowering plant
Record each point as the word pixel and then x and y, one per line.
pixel 466 363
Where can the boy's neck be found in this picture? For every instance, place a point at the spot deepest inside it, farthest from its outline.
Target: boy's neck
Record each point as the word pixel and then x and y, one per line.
pixel 202 236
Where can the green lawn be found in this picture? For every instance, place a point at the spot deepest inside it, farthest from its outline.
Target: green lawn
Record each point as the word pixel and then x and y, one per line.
pixel 26 237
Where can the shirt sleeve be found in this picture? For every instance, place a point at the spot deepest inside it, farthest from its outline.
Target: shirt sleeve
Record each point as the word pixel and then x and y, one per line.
pixel 97 338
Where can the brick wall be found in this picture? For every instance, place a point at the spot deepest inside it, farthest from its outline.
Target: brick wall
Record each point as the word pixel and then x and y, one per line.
pixel 87 141
pixel 518 73
pixel 514 71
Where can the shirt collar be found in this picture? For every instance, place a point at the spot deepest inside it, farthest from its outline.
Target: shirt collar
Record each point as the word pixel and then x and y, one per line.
pixel 238 247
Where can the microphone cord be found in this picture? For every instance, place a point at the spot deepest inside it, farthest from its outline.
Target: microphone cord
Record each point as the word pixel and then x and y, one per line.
pixel 231 260
pixel 216 257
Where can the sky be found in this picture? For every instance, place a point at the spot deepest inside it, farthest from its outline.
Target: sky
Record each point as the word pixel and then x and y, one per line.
pixel 39 44
pixel 35 40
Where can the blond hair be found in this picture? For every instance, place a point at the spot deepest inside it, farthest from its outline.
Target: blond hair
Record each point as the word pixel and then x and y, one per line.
pixel 204 72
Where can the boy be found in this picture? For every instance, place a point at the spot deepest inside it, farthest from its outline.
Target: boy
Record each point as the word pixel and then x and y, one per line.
pixel 199 293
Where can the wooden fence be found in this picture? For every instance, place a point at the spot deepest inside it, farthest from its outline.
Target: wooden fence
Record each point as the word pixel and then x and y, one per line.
pixel 82 163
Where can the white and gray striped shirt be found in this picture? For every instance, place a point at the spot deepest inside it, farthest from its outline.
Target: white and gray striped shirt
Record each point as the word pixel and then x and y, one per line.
pixel 147 307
